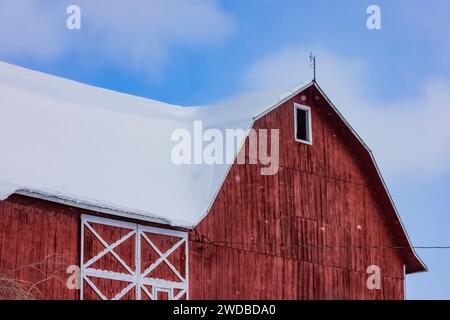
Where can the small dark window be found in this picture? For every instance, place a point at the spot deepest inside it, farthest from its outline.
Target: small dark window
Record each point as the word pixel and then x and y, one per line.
pixel 302 123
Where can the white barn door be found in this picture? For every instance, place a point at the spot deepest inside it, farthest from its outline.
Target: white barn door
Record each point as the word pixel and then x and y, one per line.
pixel 122 260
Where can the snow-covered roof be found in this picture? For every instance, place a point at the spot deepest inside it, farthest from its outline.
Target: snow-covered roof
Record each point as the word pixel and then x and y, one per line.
pixel 107 151
pixel 111 151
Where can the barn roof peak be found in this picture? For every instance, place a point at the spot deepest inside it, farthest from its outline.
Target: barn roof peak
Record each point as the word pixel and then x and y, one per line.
pixel 103 150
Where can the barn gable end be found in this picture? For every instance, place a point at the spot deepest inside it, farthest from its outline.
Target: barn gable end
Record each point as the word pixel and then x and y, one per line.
pixel 308 232
pixel 313 229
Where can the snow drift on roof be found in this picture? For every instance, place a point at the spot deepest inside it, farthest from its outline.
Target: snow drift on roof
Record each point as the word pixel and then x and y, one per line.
pixel 104 149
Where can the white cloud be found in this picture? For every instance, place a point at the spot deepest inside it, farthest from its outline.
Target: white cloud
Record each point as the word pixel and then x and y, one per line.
pixel 138 33
pixel 410 137
pixel 425 25
pixel 28 29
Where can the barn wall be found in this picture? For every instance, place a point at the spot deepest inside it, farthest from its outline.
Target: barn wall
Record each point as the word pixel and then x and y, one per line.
pixel 38 241
pixel 308 232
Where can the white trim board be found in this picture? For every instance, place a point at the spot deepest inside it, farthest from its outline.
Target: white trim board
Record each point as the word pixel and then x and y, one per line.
pixel 153 217
pixel 378 172
pixel 137 278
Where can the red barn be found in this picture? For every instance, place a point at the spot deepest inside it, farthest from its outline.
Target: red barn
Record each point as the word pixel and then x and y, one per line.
pixel 88 187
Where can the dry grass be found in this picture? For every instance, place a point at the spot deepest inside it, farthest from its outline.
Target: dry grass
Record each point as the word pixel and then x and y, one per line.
pixel 49 269
pixel 12 289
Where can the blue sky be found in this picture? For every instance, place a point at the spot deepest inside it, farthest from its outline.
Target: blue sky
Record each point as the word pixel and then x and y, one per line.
pixel 392 84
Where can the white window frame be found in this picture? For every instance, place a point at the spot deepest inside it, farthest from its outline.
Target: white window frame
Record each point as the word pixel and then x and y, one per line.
pixel 298 106
pixel 157 290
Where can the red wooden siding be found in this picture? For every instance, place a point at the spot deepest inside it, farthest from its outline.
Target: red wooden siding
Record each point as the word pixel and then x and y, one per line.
pixel 38 241
pixel 308 232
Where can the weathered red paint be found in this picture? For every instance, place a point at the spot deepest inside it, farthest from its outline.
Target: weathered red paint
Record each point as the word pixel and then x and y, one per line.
pixel 308 232
pixel 38 241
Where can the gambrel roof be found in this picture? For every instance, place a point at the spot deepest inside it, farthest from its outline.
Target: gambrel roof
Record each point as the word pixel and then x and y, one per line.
pixel 107 151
